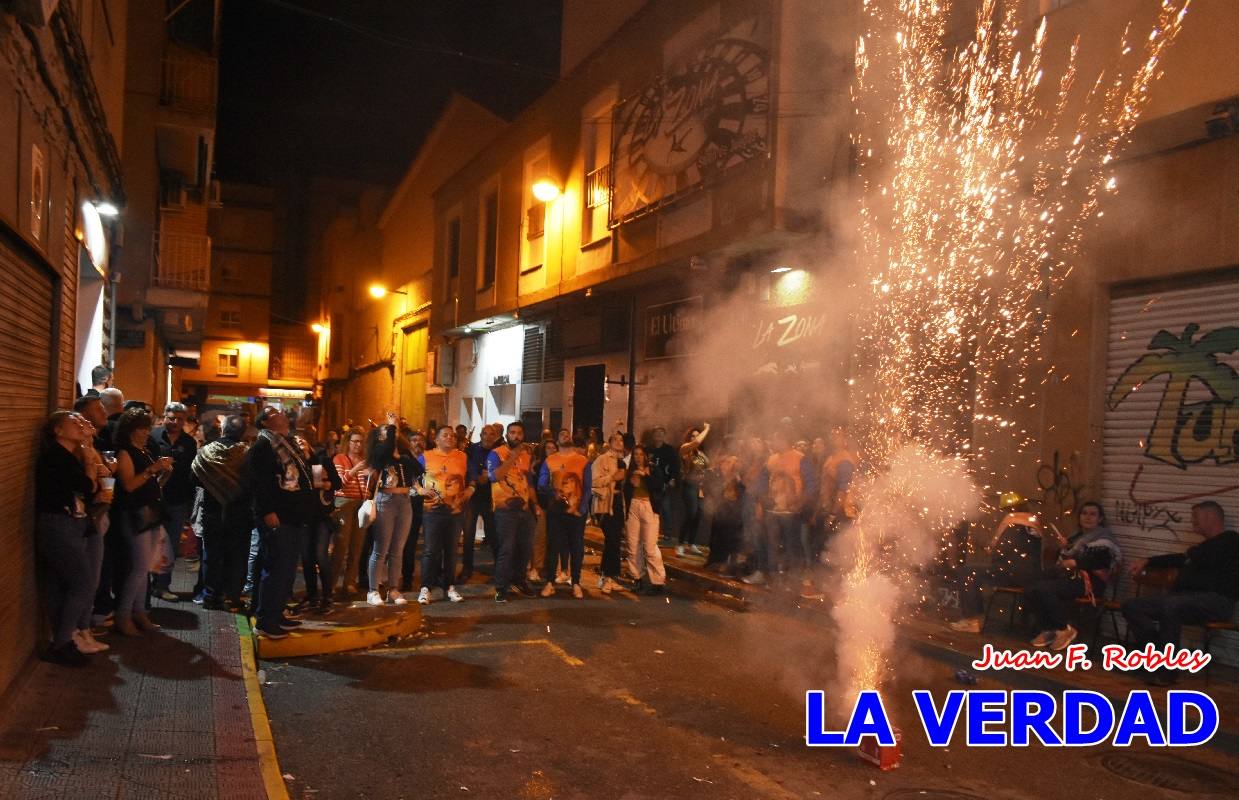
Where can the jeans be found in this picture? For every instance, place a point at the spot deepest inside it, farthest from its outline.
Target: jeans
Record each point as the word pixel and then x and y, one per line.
pixel 478 508
pixel 612 535
pixel 224 555
pixel 408 556
pixel 278 552
pixel 175 516
pixel 564 532
pixel 785 542
pixel 1159 619
pixel 61 543
pixel 1050 599
pixel 692 513
pixel 666 512
pixel 515 530
pixel 346 557
pixel 641 529
pixel 315 563
pixel 392 519
pixel 94 565
pixel 439 552
pixel 132 598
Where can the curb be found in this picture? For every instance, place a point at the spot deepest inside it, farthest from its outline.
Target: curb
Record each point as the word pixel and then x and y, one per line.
pixel 320 638
pixel 264 742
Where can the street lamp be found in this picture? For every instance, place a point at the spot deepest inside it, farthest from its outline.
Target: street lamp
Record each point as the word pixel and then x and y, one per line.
pixel 319 328
pixel 545 190
pixel 379 292
pixel 107 209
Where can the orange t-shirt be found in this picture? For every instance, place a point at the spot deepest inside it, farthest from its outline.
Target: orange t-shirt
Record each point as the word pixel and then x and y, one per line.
pixel 513 491
pixel 567 474
pixel 445 476
pixel 786 486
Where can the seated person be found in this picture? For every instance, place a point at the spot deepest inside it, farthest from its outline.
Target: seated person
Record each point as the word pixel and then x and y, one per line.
pixel 1204 591
pixel 1015 561
pixel 1084 567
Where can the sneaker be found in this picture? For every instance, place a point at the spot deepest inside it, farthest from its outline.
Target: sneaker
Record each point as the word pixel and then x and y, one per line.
pixel 525 589
pixel 1044 638
pixel 607 585
pixel 199 599
pixel 533 575
pixel 453 595
pixel 758 578
pixel 67 655
pixel 695 550
pixel 577 591
pixel 374 598
pixel 266 634
pixel 289 624
pixel 396 597
pixel 548 590
pixel 1063 638
pixel 325 608
pixel 562 577
pixel 967 625
pixel 602 581
pixel 679 550
pixel 168 596
pixel 423 596
pixel 500 597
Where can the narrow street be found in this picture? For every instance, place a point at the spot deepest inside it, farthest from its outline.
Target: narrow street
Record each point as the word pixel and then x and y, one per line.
pixel 630 697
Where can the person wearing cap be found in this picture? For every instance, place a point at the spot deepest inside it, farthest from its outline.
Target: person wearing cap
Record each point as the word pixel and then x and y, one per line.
pixel 284 504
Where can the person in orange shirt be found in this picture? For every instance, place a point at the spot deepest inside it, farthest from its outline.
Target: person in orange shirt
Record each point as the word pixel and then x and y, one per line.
pixel 516 508
pixel 786 485
pixel 445 493
pixel 566 481
pixel 346 556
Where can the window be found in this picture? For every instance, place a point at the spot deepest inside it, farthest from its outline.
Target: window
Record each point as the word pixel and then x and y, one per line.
pixel 596 156
pixel 415 350
pixel 490 238
pixel 230 318
pixel 533 243
pixel 453 248
pixel 229 362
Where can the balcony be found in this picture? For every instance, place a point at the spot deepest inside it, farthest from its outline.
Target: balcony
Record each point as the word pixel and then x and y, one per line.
pixel 182 262
pixel 189 82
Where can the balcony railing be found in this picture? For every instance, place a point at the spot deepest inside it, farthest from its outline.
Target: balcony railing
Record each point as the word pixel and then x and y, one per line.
pixel 189 82
pixel 182 261
pixel 598 187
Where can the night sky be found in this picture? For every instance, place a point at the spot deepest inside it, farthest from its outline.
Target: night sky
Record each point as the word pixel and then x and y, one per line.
pixel 303 95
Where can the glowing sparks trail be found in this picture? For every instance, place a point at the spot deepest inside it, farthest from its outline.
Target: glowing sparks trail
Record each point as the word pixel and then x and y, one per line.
pixel 978 186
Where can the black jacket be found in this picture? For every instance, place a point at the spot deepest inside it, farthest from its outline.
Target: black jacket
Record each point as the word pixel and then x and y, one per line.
pixel 1211 566
pixel 653 484
pixel 665 461
pixel 265 475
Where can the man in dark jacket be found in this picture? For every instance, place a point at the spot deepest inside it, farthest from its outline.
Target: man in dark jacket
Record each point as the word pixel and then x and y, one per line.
pixel 665 467
pixel 1204 591
pixel 280 484
pixel 171 441
pixel 479 505
pixel 226 517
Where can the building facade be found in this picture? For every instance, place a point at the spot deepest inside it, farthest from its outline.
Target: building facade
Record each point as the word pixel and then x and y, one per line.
pixel 165 267
pixel 62 70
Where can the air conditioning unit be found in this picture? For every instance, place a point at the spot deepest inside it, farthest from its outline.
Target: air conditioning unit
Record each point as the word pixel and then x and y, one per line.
pixel 445 365
pixel 36 13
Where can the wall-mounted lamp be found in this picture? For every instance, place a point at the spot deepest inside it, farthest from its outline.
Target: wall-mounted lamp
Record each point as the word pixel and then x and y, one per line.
pixel 545 190
pixel 319 328
pixel 107 209
pixel 780 270
pixel 378 292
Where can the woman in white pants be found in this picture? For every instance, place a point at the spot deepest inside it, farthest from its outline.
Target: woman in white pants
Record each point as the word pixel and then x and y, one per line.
pixel 642 489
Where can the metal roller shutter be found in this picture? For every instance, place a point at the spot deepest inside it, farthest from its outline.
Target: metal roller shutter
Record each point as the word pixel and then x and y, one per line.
pixel 26 297
pixel 1171 430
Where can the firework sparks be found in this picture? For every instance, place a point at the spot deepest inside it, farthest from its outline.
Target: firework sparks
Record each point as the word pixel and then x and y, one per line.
pixel 978 185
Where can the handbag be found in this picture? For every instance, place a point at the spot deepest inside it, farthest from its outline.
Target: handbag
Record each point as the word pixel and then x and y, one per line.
pixel 368 510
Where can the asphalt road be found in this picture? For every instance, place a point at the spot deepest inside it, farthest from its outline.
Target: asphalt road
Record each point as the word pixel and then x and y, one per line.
pixel 626 697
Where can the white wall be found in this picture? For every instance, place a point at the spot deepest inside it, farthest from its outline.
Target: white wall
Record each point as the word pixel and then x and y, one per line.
pixel 89 333
pixel 497 353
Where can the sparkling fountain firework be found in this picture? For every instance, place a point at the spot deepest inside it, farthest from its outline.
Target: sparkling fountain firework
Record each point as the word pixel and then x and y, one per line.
pixel 978 184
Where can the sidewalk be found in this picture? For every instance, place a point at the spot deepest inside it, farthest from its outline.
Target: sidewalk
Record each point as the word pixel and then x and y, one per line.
pixel 931 637
pixel 165 716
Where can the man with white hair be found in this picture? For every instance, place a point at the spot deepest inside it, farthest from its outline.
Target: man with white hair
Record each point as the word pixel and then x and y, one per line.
pixel 113 401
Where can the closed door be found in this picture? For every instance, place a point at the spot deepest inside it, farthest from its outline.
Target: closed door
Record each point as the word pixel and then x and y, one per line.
pixel 588 385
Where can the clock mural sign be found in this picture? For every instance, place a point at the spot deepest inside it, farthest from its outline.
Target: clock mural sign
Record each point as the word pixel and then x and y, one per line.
pixel 708 114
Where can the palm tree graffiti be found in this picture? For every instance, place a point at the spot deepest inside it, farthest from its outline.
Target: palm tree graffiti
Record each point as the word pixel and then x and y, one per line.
pixel 1186 432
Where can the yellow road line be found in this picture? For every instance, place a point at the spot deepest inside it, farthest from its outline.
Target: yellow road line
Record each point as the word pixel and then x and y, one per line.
pixel 559 652
pixel 268 763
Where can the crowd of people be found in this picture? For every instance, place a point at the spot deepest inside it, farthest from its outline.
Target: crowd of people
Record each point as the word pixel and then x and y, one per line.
pixel 117 492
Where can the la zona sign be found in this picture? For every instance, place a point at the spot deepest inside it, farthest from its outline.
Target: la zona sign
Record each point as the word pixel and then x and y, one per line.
pixel 996 718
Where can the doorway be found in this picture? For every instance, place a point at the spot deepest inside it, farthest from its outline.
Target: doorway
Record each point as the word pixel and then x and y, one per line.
pixel 588 386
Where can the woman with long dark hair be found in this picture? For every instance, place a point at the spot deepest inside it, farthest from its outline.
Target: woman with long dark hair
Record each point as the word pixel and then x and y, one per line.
pixel 138 504
pixel 694 464
pixel 392 474
pixel 63 491
pixel 1084 567
pixel 642 489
